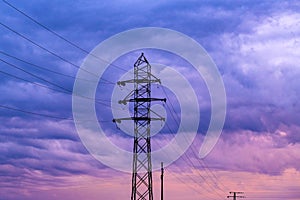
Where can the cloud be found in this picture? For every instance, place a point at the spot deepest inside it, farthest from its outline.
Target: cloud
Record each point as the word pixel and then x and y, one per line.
pixel 52 147
pixel 260 72
pixel 267 153
pixel 255 46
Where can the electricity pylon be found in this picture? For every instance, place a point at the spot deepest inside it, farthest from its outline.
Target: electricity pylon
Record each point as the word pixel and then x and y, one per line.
pixel 235 195
pixel 141 97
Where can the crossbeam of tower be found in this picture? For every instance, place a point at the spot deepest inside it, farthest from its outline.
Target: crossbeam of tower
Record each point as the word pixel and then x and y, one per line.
pixel 141 98
pixel 235 196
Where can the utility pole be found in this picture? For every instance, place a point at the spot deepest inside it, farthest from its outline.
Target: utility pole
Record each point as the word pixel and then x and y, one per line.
pixel 235 195
pixel 162 182
pixel 141 97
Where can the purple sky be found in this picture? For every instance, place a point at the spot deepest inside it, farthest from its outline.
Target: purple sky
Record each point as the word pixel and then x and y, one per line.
pixel 255 45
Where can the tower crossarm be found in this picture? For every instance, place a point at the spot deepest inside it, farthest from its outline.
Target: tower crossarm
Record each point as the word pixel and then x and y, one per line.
pixel 124 101
pixel 123 83
pixel 235 196
pixel 119 120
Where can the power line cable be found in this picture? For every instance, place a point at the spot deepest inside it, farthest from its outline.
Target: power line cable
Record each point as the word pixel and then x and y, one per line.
pixel 64 90
pixel 192 148
pixel 60 36
pixel 213 174
pixel 38 77
pixel 191 162
pixel 45 68
pixel 34 113
pixel 189 176
pixel 188 160
pixel 50 52
pixel 194 166
pixel 46 27
pixel 40 85
pixel 44 115
pixel 193 151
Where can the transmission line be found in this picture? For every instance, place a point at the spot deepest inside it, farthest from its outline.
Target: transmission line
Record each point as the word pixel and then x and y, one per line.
pixel 50 52
pixel 45 115
pixel 56 34
pixel 64 90
pixel 60 36
pixel 45 68
pixel 34 113
pixel 193 151
pixel 40 85
pixel 188 160
pixel 38 77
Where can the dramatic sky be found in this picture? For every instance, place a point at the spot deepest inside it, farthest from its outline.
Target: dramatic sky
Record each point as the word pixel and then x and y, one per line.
pixel 256 48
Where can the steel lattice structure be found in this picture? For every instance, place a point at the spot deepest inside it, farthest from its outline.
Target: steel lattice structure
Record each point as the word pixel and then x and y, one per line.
pixel 141 97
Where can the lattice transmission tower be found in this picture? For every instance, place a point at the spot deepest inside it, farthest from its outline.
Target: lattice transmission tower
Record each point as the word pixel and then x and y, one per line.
pixel 141 98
